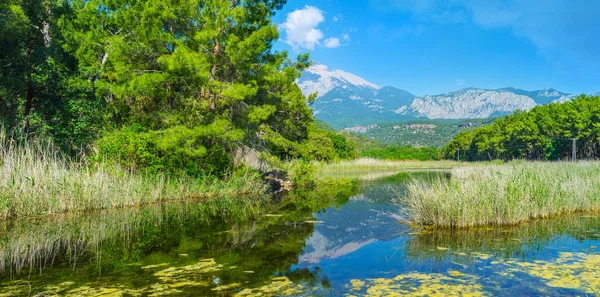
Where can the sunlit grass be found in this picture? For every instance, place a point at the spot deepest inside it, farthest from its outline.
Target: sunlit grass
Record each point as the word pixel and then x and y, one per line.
pixel 35 179
pixel 505 194
pixel 368 169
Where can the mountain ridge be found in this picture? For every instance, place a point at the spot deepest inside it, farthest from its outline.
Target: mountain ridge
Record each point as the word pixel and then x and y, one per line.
pixel 345 100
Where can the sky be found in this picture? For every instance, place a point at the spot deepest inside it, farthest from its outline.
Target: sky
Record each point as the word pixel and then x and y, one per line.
pixel 430 47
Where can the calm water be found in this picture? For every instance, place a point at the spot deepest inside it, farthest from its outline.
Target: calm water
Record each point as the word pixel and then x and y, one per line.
pixel 334 242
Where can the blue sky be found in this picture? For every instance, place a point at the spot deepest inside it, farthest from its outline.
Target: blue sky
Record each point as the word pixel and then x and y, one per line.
pixel 435 46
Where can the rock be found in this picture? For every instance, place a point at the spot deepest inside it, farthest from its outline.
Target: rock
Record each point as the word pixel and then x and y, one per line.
pixel 278 181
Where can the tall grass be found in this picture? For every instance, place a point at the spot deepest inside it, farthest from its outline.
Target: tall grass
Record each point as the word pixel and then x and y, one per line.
pixel 505 194
pixel 368 164
pixel 35 179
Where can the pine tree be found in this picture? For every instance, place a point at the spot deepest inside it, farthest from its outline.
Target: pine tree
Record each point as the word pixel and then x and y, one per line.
pixel 201 74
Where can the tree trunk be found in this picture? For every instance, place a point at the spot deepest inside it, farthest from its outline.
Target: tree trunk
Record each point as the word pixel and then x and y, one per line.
pixel 46 28
pixel 104 58
pixel 213 73
pixel 29 101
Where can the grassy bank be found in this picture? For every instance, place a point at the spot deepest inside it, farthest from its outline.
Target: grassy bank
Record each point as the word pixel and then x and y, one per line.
pixel 370 169
pixel 35 180
pixel 375 164
pixel 505 194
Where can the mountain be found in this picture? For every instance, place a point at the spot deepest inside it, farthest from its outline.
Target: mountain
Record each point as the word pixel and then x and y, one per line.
pixel 347 101
pixel 468 103
pixel 318 78
pixel 346 230
pixel 475 103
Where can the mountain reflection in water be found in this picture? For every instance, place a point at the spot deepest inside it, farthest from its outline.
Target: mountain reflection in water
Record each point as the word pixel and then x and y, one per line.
pixel 329 242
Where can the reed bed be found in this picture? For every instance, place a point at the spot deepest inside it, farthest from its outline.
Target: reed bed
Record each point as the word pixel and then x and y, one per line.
pixel 515 192
pixel 35 180
pixel 368 164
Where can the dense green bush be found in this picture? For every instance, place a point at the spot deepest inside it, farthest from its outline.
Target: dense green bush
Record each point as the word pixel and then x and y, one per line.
pixel 345 148
pixel 319 146
pixel 323 145
pixel 141 150
pixel 131 147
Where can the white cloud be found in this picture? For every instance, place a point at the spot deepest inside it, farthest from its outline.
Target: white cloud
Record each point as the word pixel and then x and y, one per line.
pixel 301 29
pixel 335 19
pixel 332 42
pixel 346 36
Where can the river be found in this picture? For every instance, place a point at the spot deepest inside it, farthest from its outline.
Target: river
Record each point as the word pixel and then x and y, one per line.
pixel 328 243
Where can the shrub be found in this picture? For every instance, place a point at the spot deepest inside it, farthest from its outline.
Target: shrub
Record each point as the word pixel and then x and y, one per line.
pixel 131 147
pixel 136 148
pixel 344 148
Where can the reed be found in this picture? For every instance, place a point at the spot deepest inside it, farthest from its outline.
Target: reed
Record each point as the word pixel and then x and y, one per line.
pixel 35 179
pixel 368 164
pixel 506 194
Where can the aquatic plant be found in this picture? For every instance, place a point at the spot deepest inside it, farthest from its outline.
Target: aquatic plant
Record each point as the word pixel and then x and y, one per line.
pixel 418 284
pixel 279 286
pixel 199 278
pixel 579 271
pixel 35 179
pixel 504 194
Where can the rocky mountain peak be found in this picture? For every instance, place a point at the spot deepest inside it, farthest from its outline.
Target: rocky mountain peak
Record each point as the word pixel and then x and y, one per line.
pixel 318 78
pixel 347 100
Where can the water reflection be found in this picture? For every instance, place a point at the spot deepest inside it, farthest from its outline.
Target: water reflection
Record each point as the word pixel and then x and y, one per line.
pixel 117 251
pixel 332 242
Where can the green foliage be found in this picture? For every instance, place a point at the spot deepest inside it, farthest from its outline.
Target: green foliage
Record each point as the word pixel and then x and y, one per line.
pixel 461 143
pixel 323 145
pixel 345 148
pixel 402 153
pixel 131 147
pixel 36 180
pixel 201 74
pixel 200 77
pixel 420 133
pixel 136 148
pixel 41 90
pixel 543 133
pixel 302 174
pixel 324 126
pixel 319 146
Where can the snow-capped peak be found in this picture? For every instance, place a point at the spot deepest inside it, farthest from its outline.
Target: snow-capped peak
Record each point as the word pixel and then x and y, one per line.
pixel 320 79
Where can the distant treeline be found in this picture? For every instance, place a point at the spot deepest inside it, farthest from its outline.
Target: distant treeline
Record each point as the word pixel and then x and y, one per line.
pixel 372 147
pixel 423 132
pixel 543 133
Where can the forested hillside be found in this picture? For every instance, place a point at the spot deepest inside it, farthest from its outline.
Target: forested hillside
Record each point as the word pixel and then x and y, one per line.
pixel 166 85
pixel 372 147
pixel 543 133
pixel 419 133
